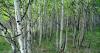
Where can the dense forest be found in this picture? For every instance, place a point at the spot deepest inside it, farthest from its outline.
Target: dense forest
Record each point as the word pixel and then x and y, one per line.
pixel 49 26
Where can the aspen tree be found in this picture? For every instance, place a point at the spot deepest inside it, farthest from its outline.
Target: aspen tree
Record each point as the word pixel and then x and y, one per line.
pixel 19 25
pixel 29 35
pixel 61 23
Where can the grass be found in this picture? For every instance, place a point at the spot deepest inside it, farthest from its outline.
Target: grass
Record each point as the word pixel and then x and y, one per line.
pixel 4 46
pixel 49 45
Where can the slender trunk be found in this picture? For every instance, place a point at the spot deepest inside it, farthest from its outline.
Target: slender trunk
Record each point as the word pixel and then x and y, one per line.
pixel 19 24
pixel 66 35
pixel 24 30
pixel 61 23
pixel 82 25
pixel 12 33
pixel 14 47
pixel 29 39
pixel 40 23
pixel 57 34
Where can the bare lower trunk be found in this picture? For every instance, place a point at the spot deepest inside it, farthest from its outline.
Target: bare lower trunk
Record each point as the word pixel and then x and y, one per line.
pixel 19 25
pixel 61 23
pixel 57 34
pixel 14 48
pixel 29 36
pixel 40 23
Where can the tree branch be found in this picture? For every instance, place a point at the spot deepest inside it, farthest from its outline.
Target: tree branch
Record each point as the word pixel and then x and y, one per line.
pixel 29 3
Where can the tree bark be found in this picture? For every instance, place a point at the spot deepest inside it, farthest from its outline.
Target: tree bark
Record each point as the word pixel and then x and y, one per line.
pixel 29 35
pixel 61 23
pixel 40 23
pixel 19 25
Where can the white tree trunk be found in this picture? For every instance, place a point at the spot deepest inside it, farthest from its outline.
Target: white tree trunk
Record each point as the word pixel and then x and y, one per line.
pixel 57 34
pixel 61 23
pixel 29 36
pixel 40 23
pixel 19 25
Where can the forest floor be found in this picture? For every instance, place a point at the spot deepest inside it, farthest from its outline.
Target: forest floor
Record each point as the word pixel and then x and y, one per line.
pixel 48 46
